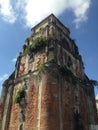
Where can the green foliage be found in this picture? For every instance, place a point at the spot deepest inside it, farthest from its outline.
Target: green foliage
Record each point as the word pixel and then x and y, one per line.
pixel 49 38
pixel 41 67
pixel 36 44
pixel 65 71
pixel 27 50
pixel 20 94
pixel 41 29
pixel 52 60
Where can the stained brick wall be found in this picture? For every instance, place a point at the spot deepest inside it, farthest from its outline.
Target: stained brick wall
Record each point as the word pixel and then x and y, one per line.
pixel 31 108
pixel 50 104
pixel 67 106
pixel 13 121
pixel 84 108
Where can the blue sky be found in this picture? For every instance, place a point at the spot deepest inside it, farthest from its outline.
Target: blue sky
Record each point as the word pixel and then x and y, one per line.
pixel 18 17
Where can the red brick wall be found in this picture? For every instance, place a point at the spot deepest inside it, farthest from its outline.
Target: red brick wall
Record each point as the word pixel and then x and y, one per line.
pixel 67 106
pixel 50 104
pixel 50 116
pixel 84 110
pixel 13 124
pixel 31 109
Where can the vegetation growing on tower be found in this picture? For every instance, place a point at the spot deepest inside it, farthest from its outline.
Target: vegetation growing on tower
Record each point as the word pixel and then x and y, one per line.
pixel 36 44
pixel 20 94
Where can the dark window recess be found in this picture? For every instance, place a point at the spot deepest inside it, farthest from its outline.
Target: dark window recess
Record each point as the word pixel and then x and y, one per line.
pixel 78 125
pixel 76 98
pixel 31 59
pixel 21 127
pixel 69 63
pixel 31 56
pixel 89 94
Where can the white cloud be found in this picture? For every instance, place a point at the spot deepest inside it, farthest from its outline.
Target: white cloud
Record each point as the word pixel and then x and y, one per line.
pixel 14 60
pixel 96 97
pixel 3 77
pixel 6 11
pixel 80 11
pixel 33 11
pixel 39 9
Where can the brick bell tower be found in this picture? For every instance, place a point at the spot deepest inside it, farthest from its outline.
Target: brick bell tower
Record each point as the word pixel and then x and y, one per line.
pixel 49 89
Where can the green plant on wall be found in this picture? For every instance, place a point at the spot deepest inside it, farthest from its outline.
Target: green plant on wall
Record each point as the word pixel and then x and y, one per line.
pixel 36 44
pixel 41 67
pixel 65 71
pixel 41 29
pixel 27 50
pixel 52 60
pixel 20 94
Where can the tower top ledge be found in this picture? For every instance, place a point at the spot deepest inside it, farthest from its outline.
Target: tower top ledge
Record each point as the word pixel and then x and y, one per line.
pixel 51 19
